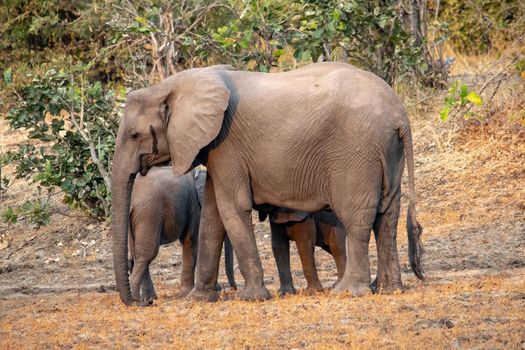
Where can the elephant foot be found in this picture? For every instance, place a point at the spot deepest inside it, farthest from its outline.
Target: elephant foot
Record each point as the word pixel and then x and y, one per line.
pixel 135 294
pixel 184 291
pixel 336 283
pixel 149 298
pixel 203 295
pixel 254 294
pixel 287 290
pixel 314 287
pixel 355 288
pixel 386 286
pixel 148 295
pixel 142 303
pixel 313 290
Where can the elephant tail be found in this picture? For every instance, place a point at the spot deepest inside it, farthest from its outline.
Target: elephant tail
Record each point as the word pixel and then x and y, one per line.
pixel 414 229
pixel 228 262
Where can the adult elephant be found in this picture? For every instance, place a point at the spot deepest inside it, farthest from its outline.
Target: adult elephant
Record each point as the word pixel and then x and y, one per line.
pixel 325 135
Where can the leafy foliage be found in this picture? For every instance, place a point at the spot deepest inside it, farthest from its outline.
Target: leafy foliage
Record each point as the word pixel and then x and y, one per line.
pixel 375 35
pixel 460 100
pixel 37 213
pixel 70 118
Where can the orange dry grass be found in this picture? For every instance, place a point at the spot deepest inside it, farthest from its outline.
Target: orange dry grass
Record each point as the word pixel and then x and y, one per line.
pixel 479 181
pixel 477 312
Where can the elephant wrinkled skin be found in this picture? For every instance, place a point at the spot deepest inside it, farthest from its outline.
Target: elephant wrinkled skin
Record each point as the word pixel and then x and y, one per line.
pixel 327 135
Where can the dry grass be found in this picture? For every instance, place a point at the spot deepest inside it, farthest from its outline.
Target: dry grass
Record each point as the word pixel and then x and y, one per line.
pixel 480 312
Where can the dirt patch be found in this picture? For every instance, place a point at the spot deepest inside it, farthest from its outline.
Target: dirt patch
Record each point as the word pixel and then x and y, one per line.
pixel 57 284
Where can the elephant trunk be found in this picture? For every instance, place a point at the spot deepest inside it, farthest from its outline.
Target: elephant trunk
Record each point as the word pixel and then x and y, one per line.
pixel 121 188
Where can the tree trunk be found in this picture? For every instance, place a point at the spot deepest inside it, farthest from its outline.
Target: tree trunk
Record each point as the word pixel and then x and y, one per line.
pixel 415 21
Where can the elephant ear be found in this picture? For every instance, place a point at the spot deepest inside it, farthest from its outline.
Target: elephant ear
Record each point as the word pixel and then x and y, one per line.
pixel 283 216
pixel 199 179
pixel 196 106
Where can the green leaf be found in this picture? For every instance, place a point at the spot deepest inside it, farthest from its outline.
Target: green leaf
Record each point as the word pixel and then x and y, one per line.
pixel 463 90
pixel 443 115
pixel 222 30
pixel 474 98
pixel 9 215
pixel 277 53
pixel 141 20
pixel 8 75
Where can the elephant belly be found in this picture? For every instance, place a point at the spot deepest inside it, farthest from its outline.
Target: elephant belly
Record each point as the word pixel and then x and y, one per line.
pixel 286 196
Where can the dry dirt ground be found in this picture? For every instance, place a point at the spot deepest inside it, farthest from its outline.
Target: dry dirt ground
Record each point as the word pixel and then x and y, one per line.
pixel 57 286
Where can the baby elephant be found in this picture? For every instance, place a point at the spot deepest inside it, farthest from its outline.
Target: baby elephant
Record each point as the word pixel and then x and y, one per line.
pixel 165 208
pixel 308 230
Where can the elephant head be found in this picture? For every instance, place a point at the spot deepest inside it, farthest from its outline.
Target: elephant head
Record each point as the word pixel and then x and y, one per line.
pixel 171 120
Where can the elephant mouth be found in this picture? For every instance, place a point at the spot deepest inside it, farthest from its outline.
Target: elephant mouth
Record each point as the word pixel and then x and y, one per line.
pixel 149 160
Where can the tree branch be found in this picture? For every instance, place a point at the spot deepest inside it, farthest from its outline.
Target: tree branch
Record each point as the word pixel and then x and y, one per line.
pixel 87 137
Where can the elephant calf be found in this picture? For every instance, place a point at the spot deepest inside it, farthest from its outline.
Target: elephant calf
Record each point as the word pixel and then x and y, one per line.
pixel 165 208
pixel 308 230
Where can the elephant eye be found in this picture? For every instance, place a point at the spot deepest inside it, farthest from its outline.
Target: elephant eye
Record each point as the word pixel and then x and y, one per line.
pixel 135 135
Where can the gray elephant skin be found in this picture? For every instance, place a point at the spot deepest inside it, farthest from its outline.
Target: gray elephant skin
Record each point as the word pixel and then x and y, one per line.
pixel 308 230
pixel 165 209
pixel 327 135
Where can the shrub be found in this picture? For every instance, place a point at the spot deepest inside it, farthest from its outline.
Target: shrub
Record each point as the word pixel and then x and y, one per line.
pixel 74 123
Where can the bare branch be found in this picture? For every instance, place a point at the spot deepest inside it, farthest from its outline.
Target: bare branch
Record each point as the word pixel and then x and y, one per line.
pixel 498 73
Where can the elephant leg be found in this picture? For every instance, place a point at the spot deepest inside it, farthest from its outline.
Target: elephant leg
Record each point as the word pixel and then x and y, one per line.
pixel 356 279
pixel 358 226
pixel 385 230
pixel 144 248
pixel 281 254
pixel 137 276
pixel 188 267
pixel 237 219
pixel 239 226
pixel 211 237
pixel 131 255
pixel 338 249
pixel 304 233
pixel 147 288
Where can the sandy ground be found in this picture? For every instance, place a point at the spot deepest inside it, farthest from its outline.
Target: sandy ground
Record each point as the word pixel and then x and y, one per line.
pixel 57 285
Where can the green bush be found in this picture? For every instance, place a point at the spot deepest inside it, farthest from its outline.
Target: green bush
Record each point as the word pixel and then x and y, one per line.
pixel 373 35
pixel 460 100
pixel 74 123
